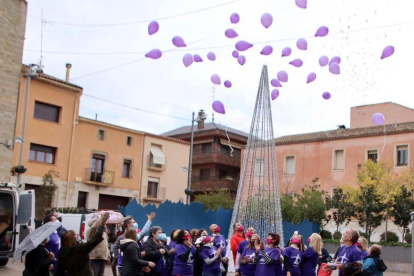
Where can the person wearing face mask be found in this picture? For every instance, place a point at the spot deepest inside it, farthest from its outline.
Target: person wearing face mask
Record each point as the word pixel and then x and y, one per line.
pixel 100 255
pixel 199 262
pixel 53 245
pixel 236 239
pixel 39 261
pixel 171 252
pixel 362 245
pixel 243 244
pixel 246 265
pixel 211 257
pixel 61 230
pixel 268 257
pixel 155 251
pixel 185 253
pixel 128 222
pixel 311 254
pixel 293 258
pixel 220 241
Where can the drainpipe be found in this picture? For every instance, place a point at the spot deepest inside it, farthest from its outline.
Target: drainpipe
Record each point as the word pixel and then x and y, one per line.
pixel 70 153
pixel 142 168
pixel 412 242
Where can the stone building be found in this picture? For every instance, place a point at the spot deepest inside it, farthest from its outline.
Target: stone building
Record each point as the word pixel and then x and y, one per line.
pixel 12 30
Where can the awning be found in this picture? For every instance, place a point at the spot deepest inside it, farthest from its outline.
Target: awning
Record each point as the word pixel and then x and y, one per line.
pixel 157 155
pixel 153 179
pixel 233 145
pixel 205 141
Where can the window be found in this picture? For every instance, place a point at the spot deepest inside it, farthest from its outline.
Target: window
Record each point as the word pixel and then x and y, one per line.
pixel 126 169
pixel 129 141
pixel 372 155
pixel 206 148
pixel 157 158
pixel 339 159
pixel 290 165
pixel 97 168
pixel 204 174
pixel 46 112
pixel 402 155
pixel 101 134
pixel 42 154
pixel 152 190
pixel 82 197
pixel 225 149
pixel 223 174
pixel 259 167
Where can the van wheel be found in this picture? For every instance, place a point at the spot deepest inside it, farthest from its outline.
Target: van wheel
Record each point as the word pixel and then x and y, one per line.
pixel 3 262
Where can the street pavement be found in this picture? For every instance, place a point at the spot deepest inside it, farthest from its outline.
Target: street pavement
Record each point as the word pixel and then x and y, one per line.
pixel 17 268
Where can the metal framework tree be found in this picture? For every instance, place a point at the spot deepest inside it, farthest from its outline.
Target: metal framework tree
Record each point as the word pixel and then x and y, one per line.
pixel 258 201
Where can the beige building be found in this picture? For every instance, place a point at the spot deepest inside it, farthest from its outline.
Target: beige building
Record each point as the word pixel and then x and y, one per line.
pixel 13 25
pixel 100 165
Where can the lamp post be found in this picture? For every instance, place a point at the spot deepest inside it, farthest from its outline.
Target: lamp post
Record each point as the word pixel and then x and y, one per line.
pixel 32 71
pixel 412 242
pixel 190 163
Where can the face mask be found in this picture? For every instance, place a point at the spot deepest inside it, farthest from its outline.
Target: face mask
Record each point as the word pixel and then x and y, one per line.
pixel 308 240
pixel 207 240
pixel 249 234
pixel 217 229
pixel 358 244
pixel 269 241
pixel 59 218
pixel 188 237
pixel 162 237
pixel 204 234
pixel 135 225
pixel 342 245
pixel 241 228
pixel 252 242
pixel 295 240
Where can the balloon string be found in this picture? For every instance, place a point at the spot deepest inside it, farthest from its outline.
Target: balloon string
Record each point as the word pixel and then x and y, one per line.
pixel 231 152
pixel 383 146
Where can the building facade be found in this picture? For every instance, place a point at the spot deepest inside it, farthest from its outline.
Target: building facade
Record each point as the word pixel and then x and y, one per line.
pixel 12 30
pixel 98 165
pixel 216 157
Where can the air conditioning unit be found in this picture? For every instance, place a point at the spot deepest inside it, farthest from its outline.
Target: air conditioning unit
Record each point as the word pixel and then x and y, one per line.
pixel 78 179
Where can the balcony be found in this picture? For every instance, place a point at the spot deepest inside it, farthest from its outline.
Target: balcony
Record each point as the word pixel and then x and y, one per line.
pixel 104 178
pixel 155 167
pixel 214 183
pixel 217 157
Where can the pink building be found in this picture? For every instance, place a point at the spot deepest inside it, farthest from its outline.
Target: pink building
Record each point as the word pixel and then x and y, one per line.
pixel 334 156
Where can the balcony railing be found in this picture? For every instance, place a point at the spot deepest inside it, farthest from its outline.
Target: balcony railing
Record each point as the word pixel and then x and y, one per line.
pixel 99 178
pixel 217 156
pixel 213 183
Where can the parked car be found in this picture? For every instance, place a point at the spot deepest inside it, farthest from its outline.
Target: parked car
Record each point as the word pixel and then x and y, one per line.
pixel 17 212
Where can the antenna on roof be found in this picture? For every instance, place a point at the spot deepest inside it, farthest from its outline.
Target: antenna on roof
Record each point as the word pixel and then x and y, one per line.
pixel 41 39
pixel 96 117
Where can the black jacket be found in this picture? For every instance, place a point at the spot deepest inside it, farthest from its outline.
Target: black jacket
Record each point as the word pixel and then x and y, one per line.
pixel 325 255
pixel 133 263
pixel 37 262
pixel 153 254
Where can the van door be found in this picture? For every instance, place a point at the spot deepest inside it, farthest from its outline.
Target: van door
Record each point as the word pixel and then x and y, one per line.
pixel 25 215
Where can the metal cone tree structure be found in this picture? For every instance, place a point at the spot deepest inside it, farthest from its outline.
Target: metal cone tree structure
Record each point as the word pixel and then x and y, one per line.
pixel 258 202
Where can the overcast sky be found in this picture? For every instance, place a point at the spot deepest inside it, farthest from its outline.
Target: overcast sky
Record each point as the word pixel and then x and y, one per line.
pixel 106 46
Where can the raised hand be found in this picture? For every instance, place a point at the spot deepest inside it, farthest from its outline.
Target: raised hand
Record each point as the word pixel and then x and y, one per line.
pixel 162 251
pixel 262 246
pixel 257 246
pixel 151 216
pixel 104 218
pixel 151 264
pixel 51 255
pixel 146 269
pixel 218 253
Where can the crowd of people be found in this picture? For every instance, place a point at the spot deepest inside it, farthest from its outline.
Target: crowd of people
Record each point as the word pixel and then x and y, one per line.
pixel 199 252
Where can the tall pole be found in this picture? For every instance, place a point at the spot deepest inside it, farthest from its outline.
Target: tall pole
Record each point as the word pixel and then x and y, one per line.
pixel 29 76
pixel 412 242
pixel 190 162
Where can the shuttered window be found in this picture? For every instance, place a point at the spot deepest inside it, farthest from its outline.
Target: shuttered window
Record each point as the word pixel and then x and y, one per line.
pixel 402 155
pixel 290 165
pixel 126 170
pixel 339 160
pixel 152 190
pixel 47 112
pixel 259 167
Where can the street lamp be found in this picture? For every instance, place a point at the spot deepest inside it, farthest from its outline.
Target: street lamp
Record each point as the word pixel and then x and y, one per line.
pixel 32 72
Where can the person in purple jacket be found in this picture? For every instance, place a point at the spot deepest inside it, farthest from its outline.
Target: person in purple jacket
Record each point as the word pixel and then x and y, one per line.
pixel 311 254
pixel 220 241
pixel 293 258
pixel 268 258
pixel 185 253
pixel 211 256
pixel 349 253
pixel 362 245
pixel 250 231
pixel 53 245
pixel 246 265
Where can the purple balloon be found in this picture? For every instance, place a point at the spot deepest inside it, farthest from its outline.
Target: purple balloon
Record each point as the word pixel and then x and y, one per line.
pixel 387 52
pixel 230 33
pixel 234 18
pixel 227 83
pixel 215 79
pixel 153 27
pixel 322 31
pixel 267 50
pixel 286 52
pixel 275 94
pixel 275 83
pixel 302 44
pixel 243 45
pixel 154 54
pixel 334 68
pixel 219 107
pixel 311 77
pixel 178 41
pixel 296 62
pixel 326 95
pixel 266 20
pixel 378 119
pixel 282 76
pixel 211 56
pixel 187 60
pixel 241 60
pixel 323 61
pixel 197 58
pixel 235 54
pixel 301 3
pixel 335 59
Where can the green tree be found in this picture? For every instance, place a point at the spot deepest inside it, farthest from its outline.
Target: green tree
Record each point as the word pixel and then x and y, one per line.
pixel 289 211
pixel 49 188
pixel 339 208
pixel 311 204
pixel 213 200
pixel 402 208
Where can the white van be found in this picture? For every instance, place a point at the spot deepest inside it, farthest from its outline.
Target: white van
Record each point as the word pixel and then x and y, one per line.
pixel 17 212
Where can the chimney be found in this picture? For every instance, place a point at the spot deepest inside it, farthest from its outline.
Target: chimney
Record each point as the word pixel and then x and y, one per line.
pixel 200 119
pixel 68 66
